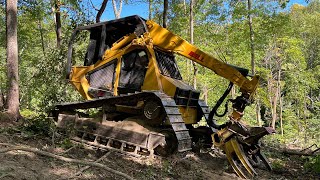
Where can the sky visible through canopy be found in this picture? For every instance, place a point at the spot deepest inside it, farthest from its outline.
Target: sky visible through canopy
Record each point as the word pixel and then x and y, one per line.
pixel 141 8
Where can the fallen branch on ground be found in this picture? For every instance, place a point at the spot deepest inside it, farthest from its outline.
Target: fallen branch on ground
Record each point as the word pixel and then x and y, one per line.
pixel 61 158
pixel 87 167
pixel 316 150
pixel 66 151
pixel 308 148
pixel 301 153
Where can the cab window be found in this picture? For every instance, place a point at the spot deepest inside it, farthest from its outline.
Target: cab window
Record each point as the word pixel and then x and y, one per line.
pixel 133 69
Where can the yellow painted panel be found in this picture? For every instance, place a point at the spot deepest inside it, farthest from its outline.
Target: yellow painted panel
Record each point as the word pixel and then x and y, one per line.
pixel 189 114
pixel 152 81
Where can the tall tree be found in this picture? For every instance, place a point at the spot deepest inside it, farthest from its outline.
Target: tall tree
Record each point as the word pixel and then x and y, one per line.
pixel 258 116
pixel 251 37
pixel 117 12
pixel 1 100
pixel 150 9
pixel 195 69
pixel 57 18
pixel 101 10
pixel 56 9
pixel 165 13
pixel 12 104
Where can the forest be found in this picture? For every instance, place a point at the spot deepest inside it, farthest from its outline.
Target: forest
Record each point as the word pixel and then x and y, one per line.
pixel 279 40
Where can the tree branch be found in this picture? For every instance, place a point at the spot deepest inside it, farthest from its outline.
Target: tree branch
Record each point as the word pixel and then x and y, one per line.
pixel 101 10
pixel 87 167
pixel 114 5
pixel 94 6
pixel 61 158
pixel 120 9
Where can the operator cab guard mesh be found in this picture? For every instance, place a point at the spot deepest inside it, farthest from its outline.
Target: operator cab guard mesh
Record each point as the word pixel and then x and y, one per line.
pixel 103 77
pixel 167 64
pixel 103 35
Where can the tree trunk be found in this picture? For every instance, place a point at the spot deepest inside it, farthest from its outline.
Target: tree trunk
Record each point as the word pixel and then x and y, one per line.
pixel 305 122
pixel 41 37
pixel 301 153
pixel 101 10
pixel 274 111
pixel 165 13
pixel 12 103
pixel 205 93
pixel 195 71
pixel 233 92
pixel 253 58
pixel 298 116
pixel 251 38
pixel 150 9
pixel 1 100
pixel 269 85
pixel 195 68
pixel 258 115
pixel 58 21
pixel 281 108
pixel 117 12
pixel 186 32
pixel 274 107
pixel 280 101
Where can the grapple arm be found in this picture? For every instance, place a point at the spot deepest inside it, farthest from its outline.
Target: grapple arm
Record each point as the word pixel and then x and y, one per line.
pixel 228 139
pixel 168 41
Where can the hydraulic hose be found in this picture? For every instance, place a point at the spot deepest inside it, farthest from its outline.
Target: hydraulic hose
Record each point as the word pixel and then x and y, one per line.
pixel 213 112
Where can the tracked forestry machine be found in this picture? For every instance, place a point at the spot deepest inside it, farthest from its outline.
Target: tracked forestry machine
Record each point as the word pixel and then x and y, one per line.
pixel 143 107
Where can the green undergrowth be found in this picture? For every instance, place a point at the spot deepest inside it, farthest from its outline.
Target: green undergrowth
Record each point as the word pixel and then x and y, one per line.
pixel 34 126
pixel 43 126
pixel 278 143
pixel 40 125
pixel 298 141
pixel 66 143
pixel 313 164
pixel 29 114
pixel 278 164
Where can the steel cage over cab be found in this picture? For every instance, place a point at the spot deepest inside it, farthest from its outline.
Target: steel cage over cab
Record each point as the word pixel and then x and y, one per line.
pixel 103 35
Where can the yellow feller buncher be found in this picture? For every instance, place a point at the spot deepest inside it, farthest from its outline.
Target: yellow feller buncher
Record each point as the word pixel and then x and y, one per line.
pixel 131 79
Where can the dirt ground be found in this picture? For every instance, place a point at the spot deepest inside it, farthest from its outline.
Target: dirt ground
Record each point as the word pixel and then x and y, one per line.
pixel 20 165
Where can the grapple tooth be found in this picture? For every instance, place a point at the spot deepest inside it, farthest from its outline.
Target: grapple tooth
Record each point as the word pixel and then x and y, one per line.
pixel 265 161
pixel 235 155
pixel 243 158
pixel 229 153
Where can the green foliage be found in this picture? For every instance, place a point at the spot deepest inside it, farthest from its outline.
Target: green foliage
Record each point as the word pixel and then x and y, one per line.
pixel 41 64
pixel 167 167
pixel 278 164
pixel 28 114
pixel 40 125
pixel 313 164
pixel 66 143
pixel 284 40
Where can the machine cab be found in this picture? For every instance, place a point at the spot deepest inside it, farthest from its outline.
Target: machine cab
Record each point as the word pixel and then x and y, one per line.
pixel 101 80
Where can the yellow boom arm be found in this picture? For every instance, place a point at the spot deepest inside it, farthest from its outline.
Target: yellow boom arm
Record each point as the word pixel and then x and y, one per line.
pixel 166 40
